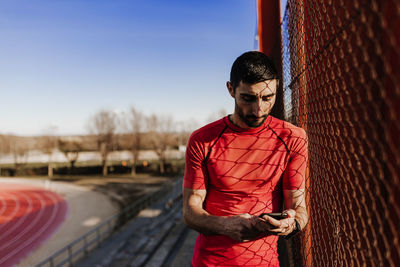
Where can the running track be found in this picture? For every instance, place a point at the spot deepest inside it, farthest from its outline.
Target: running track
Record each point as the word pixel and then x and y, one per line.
pixel 28 216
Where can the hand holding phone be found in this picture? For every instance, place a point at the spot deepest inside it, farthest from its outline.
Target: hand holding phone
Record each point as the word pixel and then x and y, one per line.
pixel 276 215
pixel 268 224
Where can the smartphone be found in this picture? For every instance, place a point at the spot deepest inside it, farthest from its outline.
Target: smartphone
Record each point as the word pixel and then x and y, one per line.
pixel 276 215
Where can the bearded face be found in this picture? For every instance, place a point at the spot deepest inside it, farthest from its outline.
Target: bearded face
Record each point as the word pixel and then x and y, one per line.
pixel 253 102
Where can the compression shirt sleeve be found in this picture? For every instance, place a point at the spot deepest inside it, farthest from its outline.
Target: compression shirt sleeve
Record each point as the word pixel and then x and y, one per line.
pixel 294 174
pixel 194 177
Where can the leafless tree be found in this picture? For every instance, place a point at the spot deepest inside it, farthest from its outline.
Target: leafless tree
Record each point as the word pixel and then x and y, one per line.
pixel 19 148
pixel 135 125
pixel 160 130
pixel 217 115
pixel 71 149
pixel 4 145
pixel 184 129
pixel 48 144
pixel 103 125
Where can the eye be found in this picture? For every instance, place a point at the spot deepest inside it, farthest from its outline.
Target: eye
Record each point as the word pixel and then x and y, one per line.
pixel 267 97
pixel 248 98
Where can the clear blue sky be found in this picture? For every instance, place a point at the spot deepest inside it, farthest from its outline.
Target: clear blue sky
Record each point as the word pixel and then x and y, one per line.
pixel 63 60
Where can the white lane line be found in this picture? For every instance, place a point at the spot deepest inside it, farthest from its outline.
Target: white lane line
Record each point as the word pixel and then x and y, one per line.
pixel 20 219
pixel 16 208
pixel 15 238
pixel 3 203
pixel 38 233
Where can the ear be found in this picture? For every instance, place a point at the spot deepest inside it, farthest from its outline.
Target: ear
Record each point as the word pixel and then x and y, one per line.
pixel 230 89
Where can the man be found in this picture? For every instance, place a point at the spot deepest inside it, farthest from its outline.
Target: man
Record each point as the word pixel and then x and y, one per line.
pixel 241 166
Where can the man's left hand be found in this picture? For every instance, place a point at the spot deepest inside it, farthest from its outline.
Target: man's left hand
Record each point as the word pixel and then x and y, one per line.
pixel 281 227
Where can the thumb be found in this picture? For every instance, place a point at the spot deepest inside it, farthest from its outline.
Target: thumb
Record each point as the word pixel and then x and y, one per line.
pixel 290 212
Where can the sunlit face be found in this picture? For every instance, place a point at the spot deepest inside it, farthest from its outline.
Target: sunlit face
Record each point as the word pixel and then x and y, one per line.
pixel 253 102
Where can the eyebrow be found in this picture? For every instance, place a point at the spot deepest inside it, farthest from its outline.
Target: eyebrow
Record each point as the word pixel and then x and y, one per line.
pixel 246 94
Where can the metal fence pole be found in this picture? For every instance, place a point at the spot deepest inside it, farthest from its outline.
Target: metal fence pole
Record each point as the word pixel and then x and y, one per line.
pixel 85 248
pixel 70 255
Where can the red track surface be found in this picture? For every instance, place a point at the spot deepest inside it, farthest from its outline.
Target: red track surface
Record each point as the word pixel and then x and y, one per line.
pixel 28 216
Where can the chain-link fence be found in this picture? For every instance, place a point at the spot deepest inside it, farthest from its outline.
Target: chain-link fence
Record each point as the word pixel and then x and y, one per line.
pixel 341 73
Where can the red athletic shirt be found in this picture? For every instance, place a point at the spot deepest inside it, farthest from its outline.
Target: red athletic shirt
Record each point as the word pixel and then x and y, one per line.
pixel 243 171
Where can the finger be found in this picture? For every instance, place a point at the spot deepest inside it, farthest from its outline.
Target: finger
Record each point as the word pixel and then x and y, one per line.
pixel 272 233
pixel 286 231
pixel 278 230
pixel 285 223
pixel 285 228
pixel 290 212
pixel 272 221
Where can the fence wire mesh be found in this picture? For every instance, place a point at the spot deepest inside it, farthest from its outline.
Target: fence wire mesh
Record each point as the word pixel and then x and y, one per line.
pixel 341 75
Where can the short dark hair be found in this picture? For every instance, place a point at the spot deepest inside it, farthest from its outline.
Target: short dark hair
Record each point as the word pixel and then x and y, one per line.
pixel 252 67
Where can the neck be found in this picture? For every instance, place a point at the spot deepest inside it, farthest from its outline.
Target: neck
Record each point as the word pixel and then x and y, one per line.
pixel 235 119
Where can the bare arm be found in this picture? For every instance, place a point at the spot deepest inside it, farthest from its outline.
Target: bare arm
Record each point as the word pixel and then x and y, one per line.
pixel 240 227
pixel 293 179
pixel 196 217
pixel 296 200
pixel 295 207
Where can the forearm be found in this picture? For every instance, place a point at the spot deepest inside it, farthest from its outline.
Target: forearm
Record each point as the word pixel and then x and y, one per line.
pixel 295 200
pixel 196 217
pixel 203 222
pixel 301 216
pixel 238 227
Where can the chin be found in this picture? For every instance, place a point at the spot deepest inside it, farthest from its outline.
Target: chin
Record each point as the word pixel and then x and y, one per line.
pixel 255 124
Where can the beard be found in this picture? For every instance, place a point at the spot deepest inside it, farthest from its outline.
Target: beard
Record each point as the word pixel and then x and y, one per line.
pixel 250 120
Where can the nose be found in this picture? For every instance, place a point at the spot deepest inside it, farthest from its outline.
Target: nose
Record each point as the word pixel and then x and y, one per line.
pixel 258 108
